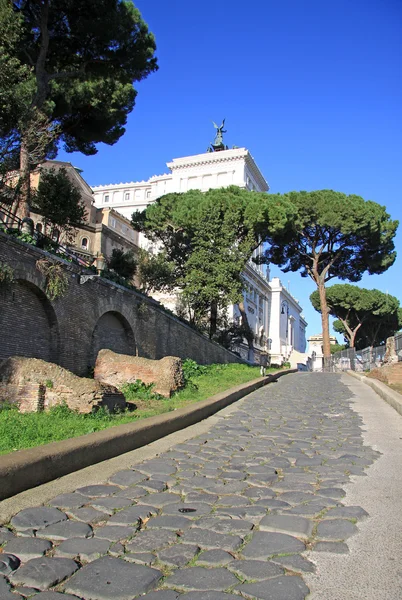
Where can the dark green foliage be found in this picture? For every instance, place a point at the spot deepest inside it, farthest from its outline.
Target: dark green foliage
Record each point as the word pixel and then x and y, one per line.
pixel 192 369
pixel 205 240
pixel 337 348
pixel 140 391
pixel 365 317
pixel 59 202
pixel 69 70
pixel 332 235
pixel 123 263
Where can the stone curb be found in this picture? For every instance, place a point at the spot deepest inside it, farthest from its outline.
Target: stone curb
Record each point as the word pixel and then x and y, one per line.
pixel 390 396
pixel 25 469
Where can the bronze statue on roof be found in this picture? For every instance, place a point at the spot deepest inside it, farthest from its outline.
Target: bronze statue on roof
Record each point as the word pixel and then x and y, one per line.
pixel 218 142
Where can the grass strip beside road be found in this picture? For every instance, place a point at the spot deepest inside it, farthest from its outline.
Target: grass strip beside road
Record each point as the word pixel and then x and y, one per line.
pixel 28 430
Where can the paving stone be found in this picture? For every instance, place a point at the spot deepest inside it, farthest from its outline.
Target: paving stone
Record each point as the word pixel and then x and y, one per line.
pixel 114 533
pixel 271 504
pixel 111 503
pixel 164 595
pixel 133 514
pixel 214 557
pixel 116 549
pixel 264 544
pixel 201 497
pixel 64 501
pixel 251 513
pixel 298 526
pixel 258 493
pixel 5 593
pixel 279 588
pixel 83 549
pixel 87 514
pixel 151 539
pixel 65 531
pixel 127 477
pixel 163 498
pixel 231 500
pixel 335 547
pixel 199 578
pixel 297 497
pixel 163 467
pixel 332 492
pixel 142 558
pixel 26 549
pixel 25 591
pixel 43 573
pixel 54 596
pixel 178 555
pixel 310 509
pixel 5 535
pixel 347 512
pixel 335 529
pixel 200 508
pixel 255 569
pixel 112 578
pixel 37 518
pixel 8 563
pixel 98 491
pixel 133 493
pixel 209 539
pixel 155 485
pixel 169 522
pixel 208 596
pixel 236 526
pixel 295 562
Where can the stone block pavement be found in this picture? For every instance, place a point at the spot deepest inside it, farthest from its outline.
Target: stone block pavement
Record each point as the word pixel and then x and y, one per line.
pixel 230 514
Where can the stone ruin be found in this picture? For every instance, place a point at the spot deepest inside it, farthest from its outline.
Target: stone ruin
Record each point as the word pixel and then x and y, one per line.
pixel 35 385
pixel 166 374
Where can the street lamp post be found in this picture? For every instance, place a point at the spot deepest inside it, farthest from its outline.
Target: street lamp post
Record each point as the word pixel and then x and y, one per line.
pixel 285 310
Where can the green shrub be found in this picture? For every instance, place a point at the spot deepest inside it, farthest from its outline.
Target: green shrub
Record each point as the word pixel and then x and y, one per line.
pixel 138 390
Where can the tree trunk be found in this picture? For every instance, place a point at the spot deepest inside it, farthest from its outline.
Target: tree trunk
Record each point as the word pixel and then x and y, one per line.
pixel 213 318
pixel 249 335
pixel 325 323
pixel 22 202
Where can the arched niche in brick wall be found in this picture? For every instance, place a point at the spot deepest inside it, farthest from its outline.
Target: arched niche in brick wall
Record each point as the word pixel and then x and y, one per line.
pixel 114 332
pixel 29 315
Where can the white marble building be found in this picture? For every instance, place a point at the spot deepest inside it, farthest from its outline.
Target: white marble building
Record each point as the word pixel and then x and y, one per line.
pixel 273 313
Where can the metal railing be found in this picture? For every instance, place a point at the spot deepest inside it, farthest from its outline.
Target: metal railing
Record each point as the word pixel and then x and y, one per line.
pixel 357 360
pixel 398 345
pixel 10 223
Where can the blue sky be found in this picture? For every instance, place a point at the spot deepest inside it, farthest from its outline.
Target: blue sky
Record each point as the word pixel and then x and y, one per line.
pixel 312 88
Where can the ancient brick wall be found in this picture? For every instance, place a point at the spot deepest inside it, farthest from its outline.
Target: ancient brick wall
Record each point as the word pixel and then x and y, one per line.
pixel 93 313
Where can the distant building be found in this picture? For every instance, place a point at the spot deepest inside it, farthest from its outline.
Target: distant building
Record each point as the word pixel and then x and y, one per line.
pixel 316 350
pixel 104 229
pixel 274 315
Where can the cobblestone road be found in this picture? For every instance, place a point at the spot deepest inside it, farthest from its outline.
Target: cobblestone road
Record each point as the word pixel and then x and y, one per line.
pixel 224 515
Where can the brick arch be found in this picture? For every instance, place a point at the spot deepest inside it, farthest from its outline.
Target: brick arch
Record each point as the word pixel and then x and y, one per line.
pixel 29 315
pixel 114 332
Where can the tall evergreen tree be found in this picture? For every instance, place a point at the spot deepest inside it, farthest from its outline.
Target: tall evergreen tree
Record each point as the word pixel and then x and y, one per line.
pixel 207 239
pixel 83 57
pixel 332 235
pixel 368 316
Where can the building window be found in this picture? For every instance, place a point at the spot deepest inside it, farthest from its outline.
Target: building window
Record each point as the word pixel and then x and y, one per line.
pixel 106 198
pixel 55 235
pixel 113 222
pixel 148 193
pixel 127 196
pixel 84 243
